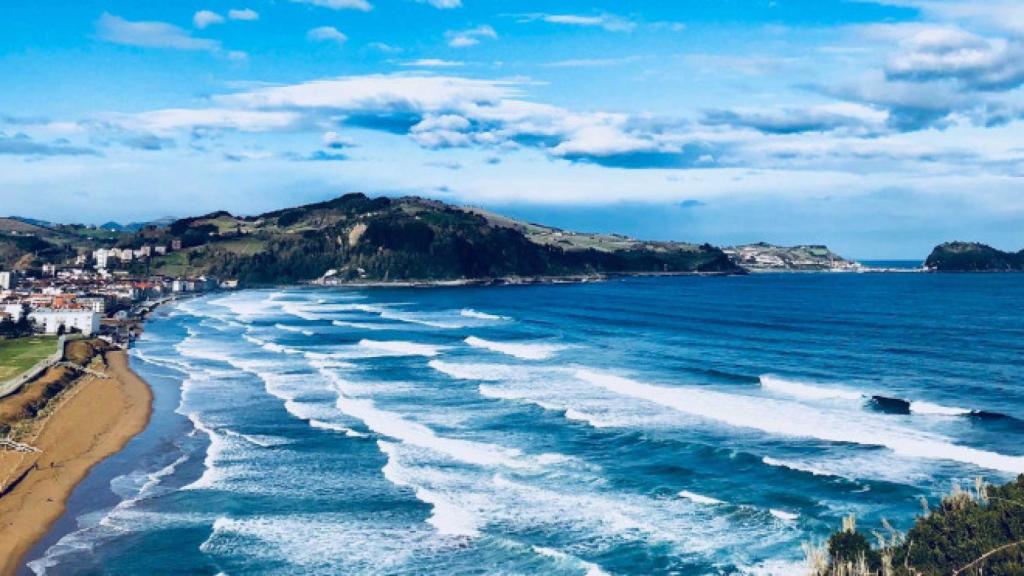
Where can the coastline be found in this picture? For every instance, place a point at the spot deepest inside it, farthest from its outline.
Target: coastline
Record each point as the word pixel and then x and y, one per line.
pixel 93 420
pixel 500 281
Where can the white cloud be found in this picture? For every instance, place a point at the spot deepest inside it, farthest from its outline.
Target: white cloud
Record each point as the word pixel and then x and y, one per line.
pixel 847 117
pixel 608 22
pixel 333 140
pixel 174 119
pixel 448 111
pixel 385 48
pixel 326 34
pixel 204 18
pixel 149 34
pixel 442 4
pixel 375 92
pixel 245 14
pixel 470 37
pixel 591 62
pixel 1005 15
pixel 438 111
pixel 362 5
pixel 952 53
pixel 432 63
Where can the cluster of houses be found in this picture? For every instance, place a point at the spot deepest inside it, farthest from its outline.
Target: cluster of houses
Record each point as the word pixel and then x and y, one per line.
pixel 90 302
pixel 104 258
pixel 764 257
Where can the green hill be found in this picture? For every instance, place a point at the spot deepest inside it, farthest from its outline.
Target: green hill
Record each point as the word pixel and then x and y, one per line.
pixel 973 257
pixel 384 239
pixel 405 239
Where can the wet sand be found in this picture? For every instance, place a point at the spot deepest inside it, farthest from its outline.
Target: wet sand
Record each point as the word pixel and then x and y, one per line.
pixel 93 420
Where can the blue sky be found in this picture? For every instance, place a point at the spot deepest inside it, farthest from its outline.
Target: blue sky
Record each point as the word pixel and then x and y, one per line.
pixel 880 128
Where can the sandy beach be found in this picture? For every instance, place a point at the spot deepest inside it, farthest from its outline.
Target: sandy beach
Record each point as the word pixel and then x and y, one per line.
pixel 91 420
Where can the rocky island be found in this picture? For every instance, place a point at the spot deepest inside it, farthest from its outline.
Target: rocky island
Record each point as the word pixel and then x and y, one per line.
pixel 973 257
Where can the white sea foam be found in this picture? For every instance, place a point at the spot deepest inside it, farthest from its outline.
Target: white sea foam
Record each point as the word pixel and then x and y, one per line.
pixel 594 421
pixel 798 466
pixel 591 568
pixel 211 474
pixel 320 416
pixel 500 393
pixel 271 346
pixel 522 350
pixel 359 325
pixel 799 420
pixel 776 567
pixel 261 440
pixel 322 425
pixel 921 407
pixel 365 308
pixel 485 372
pixel 110 523
pixel 192 347
pixel 171 363
pixel 854 466
pixel 296 329
pixel 321 543
pixel 447 517
pixel 805 391
pixel 331 359
pixel 245 306
pixel 783 515
pixel 399 348
pixel 699 499
pixel 398 427
pixel 299 311
pixel 471 313
pixel 690 529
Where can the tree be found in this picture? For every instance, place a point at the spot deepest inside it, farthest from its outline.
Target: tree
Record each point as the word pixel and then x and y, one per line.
pixel 8 329
pixel 23 327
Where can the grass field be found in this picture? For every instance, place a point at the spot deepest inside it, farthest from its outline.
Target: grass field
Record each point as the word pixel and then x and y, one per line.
pixel 20 354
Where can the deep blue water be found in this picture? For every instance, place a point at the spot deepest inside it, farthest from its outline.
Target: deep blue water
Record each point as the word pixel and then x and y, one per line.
pixel 641 426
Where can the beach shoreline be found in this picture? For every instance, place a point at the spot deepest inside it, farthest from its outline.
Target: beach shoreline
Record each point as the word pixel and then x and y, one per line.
pixel 93 420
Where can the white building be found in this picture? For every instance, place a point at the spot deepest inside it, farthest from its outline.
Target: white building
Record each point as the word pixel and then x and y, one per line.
pixel 101 256
pixel 12 310
pixel 51 319
pixel 7 280
pixel 96 304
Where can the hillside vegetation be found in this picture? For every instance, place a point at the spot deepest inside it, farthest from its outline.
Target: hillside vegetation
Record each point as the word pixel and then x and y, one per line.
pixel 24 243
pixel 973 257
pixel 384 239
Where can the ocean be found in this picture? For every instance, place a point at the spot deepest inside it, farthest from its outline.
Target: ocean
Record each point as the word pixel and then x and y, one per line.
pixel 677 425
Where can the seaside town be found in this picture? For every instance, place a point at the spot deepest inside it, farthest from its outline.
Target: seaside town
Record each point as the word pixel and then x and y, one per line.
pixel 94 295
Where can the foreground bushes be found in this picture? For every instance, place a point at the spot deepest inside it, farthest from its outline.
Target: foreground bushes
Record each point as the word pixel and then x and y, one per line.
pixel 973 532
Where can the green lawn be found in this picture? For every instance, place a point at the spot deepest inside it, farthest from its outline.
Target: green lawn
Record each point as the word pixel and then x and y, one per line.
pixel 20 354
